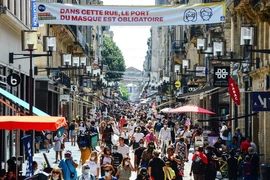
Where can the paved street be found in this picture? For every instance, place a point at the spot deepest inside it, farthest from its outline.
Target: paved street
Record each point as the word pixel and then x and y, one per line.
pixel 76 154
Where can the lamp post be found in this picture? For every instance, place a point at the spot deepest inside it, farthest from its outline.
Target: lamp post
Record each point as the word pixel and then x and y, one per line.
pixel 29 43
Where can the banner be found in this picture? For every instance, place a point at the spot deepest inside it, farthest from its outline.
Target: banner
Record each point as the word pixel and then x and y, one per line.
pixel 28 154
pixel 57 13
pixel 234 91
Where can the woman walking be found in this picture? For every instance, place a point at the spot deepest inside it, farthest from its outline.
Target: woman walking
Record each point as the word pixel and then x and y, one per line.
pixel 124 170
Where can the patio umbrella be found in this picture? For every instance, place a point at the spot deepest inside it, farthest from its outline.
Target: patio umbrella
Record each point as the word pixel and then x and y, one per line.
pixel 190 108
pixel 165 110
pixel 38 123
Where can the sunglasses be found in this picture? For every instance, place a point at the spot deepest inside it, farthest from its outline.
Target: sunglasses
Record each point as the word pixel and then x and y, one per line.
pixel 87 168
pixel 55 172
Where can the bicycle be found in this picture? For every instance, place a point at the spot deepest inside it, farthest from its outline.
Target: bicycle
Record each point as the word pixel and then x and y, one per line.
pixel 223 165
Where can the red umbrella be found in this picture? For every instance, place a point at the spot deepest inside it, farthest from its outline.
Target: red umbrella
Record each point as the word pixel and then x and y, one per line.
pixel 190 108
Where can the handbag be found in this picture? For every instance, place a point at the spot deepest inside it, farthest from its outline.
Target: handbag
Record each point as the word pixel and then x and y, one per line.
pixel 62 146
pixel 72 174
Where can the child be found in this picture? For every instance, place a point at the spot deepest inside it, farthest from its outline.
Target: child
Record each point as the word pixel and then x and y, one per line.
pixel 169 172
pixel 247 167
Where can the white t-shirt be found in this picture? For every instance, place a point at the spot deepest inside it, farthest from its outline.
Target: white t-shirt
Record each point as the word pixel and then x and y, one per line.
pixel 107 160
pixel 93 167
pixel 138 136
pixel 124 150
pixel 131 128
pixel 224 127
pixel 187 134
pixel 124 135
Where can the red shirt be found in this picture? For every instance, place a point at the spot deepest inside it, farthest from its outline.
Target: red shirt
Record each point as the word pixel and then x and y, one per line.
pixel 122 122
pixel 244 146
pixel 201 155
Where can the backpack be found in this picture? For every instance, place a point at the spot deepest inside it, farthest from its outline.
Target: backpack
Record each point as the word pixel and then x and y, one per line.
pixel 197 166
pixel 92 177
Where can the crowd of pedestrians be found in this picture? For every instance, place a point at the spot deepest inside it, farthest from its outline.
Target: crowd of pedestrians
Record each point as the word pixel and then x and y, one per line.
pixel 159 145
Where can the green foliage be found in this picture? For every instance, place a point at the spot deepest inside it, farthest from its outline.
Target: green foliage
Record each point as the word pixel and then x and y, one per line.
pixel 113 58
pixel 125 93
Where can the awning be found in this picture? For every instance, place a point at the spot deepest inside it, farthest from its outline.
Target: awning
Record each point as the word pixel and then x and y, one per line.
pixel 22 103
pixel 102 102
pixel 164 104
pixel 204 90
pixel 38 123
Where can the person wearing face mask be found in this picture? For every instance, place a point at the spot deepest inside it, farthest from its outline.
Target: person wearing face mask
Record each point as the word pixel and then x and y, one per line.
pixel 117 157
pixel 105 159
pixel 68 166
pixel 56 174
pixel 164 137
pixel 108 175
pixel 137 135
pixel 94 164
pixel 157 127
pixel 86 175
pixel 124 170
pixel 125 134
pixel 147 155
pixel 85 151
pixel 107 135
pixel 138 154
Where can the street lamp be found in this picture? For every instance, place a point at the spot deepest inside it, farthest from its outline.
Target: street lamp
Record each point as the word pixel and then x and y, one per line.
pixel 29 43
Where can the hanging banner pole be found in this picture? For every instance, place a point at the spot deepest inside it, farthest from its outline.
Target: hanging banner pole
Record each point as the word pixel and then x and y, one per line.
pixel 187 14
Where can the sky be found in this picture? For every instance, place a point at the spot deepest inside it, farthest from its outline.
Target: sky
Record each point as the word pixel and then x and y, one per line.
pixel 132 41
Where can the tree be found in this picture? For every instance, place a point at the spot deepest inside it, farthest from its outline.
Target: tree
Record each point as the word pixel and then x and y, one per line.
pixel 124 92
pixel 113 58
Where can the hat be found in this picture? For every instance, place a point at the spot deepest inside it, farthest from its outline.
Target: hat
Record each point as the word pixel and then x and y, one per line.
pixel 156 152
pixel 68 152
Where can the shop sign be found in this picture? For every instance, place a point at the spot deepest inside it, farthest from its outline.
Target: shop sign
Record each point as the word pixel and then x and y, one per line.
pixel 221 76
pixel 260 101
pixel 234 91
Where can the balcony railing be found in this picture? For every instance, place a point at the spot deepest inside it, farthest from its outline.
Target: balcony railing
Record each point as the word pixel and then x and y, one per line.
pixel 79 37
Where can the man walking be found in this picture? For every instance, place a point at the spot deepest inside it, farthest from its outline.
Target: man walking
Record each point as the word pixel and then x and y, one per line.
pixel 199 162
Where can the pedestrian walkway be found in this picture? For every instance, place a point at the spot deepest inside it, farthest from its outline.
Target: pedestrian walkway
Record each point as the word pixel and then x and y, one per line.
pixel 38 157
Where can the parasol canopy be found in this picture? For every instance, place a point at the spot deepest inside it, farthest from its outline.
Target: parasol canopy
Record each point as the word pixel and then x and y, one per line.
pixel 190 108
pixel 38 123
pixel 165 110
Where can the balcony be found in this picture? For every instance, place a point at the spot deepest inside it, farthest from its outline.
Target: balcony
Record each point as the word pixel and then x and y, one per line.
pixel 79 38
pixel 178 46
pixel 178 51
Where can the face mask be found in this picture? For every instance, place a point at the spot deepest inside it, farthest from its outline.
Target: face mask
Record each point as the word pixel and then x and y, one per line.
pixel 84 148
pixel 81 124
pixel 206 151
pixel 113 151
pixel 141 145
pixel 93 158
pixel 86 171
pixel 108 126
pixel 55 178
pixel 107 173
pixel 165 125
pixel 126 163
pixel 88 123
